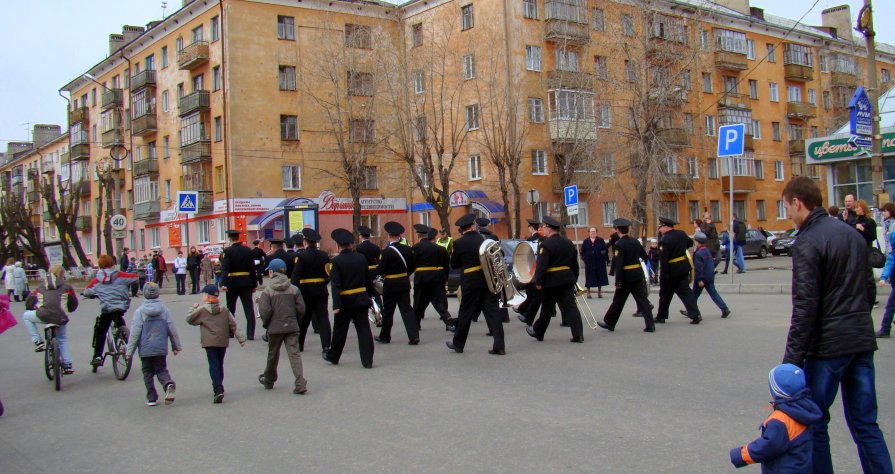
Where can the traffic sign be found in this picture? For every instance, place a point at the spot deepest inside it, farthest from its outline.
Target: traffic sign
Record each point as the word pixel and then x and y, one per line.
pixel 118 234
pixel 571 195
pixel 532 196
pixel 572 210
pixel 861 115
pixel 118 222
pixel 859 141
pixel 187 202
pixel 731 139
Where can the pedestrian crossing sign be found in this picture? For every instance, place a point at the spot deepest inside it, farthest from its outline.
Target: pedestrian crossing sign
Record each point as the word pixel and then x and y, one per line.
pixel 187 202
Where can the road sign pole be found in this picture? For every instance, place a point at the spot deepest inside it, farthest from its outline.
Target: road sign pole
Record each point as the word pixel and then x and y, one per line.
pixel 730 232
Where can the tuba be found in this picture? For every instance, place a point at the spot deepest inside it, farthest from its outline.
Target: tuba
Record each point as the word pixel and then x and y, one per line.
pixel 497 275
pixel 374 314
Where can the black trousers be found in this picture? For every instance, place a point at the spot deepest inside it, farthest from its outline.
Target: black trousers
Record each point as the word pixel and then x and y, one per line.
pixel 215 357
pixel 474 302
pixel 668 287
pixel 564 296
pixel 102 327
pixel 194 280
pixel 180 278
pixel 529 308
pixel 244 294
pixel 316 310
pixel 341 320
pixel 638 291
pixel 402 302
pixel 156 366
pixel 432 292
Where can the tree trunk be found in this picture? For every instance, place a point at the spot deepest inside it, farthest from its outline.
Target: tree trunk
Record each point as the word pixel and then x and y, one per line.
pixel 517 208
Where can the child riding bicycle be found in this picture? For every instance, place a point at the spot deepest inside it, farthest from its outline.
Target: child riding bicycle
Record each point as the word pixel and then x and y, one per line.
pixel 111 287
pixel 50 304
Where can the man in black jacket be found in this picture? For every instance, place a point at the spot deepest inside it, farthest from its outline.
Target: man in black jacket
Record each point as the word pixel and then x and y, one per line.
pixel 309 275
pixel 350 287
pixel 371 251
pixel 674 274
pixel 432 267
pixel 395 266
pixel 239 279
pixel 260 264
pixel 831 333
pixel 629 279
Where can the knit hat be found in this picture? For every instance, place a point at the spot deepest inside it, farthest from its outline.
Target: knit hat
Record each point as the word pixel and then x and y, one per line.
pixel 700 237
pixel 786 380
pixel 150 291
pixel 211 290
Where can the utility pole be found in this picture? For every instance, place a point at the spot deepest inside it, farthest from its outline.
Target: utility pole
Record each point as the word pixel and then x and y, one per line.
pixel 865 27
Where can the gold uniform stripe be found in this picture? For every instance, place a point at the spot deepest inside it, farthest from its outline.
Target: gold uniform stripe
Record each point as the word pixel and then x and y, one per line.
pixel 558 269
pixel 238 274
pixel 679 259
pixel 472 269
pixel 395 275
pixel 636 266
pixel 372 267
pixel 429 269
pixel 311 280
pixel 352 291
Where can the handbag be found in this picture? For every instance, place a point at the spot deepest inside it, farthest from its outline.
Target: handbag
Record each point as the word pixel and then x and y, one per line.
pixel 877 258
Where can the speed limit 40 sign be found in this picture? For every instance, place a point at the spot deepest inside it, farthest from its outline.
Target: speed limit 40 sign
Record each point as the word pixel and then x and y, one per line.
pixel 118 222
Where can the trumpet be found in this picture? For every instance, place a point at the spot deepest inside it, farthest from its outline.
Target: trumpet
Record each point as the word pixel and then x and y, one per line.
pixel 587 314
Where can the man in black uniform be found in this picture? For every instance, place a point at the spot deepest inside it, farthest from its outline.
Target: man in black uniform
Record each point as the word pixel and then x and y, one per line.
pixel 674 277
pixel 351 286
pixel 629 279
pixel 396 265
pixel 239 280
pixel 476 297
pixel 309 275
pixel 277 251
pixel 294 246
pixel 556 275
pixel 432 267
pixel 482 223
pixel 371 251
pixel 260 259
pixel 528 310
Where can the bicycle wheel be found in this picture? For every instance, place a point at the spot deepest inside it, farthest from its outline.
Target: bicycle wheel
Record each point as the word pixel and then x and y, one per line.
pixel 56 360
pixel 120 364
pixel 48 360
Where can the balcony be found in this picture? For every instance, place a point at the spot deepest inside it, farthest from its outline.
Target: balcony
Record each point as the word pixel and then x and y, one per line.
pixel 113 137
pixel 81 114
pixel 676 137
pixel 197 151
pixel 80 152
pixel 193 55
pixel 81 188
pixel 663 51
pixel 115 173
pixel 845 79
pixel 585 180
pixel 741 184
pixel 198 101
pixel 47 164
pixel 113 98
pixel 567 32
pixel 206 201
pixel 145 124
pixel 33 173
pixel 146 167
pixel 570 80
pixel 798 72
pixel 674 183
pixel 149 210
pixel 33 196
pixel 83 223
pixel 735 100
pixel 796 147
pixel 47 216
pixel 142 80
pixel 743 174
pixel 572 130
pixel 731 61
pixel 800 110
pixel 675 97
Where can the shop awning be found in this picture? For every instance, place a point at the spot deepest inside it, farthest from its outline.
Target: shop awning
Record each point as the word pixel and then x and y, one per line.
pixel 421 207
pixel 480 200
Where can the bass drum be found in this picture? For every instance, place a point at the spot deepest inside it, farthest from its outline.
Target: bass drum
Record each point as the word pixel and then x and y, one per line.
pixel 525 261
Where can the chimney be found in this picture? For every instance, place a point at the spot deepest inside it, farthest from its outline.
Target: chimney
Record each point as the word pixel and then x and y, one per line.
pixel 14 148
pixel 131 33
pixel 153 24
pixel 741 6
pixel 757 13
pixel 45 133
pixel 115 43
pixel 838 18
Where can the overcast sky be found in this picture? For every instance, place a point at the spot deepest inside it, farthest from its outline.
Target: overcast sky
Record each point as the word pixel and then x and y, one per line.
pixel 46 43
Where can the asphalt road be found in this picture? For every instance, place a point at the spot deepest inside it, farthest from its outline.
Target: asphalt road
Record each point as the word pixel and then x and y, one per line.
pixel 673 402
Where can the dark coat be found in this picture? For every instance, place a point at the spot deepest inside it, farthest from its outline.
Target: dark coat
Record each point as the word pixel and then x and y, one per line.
pixel 627 252
pixel 466 256
pixel 391 266
pixel 309 272
pixel 704 266
pixel 830 312
pixel 869 232
pixel 557 262
pixel 237 259
pixel 351 285
pixel 672 246
pixel 432 262
pixel 593 254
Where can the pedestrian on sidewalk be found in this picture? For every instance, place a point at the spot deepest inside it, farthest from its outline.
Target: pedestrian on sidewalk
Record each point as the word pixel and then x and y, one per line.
pixel 216 325
pixel 180 264
pixel 704 274
pixel 281 306
pixel 151 329
pixel 739 240
pixel 207 269
pixel 888 277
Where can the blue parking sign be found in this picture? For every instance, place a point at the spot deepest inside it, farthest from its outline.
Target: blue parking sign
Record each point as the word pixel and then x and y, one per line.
pixel 571 195
pixel 731 140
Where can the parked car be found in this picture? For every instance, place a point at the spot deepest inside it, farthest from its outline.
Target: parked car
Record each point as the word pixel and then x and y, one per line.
pixel 756 245
pixel 508 246
pixel 783 244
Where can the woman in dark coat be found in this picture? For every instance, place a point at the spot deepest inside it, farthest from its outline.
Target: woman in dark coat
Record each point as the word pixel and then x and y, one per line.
pixel 593 253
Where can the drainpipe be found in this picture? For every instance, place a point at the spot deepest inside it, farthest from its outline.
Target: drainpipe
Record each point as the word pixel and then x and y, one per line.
pixel 130 128
pixel 228 185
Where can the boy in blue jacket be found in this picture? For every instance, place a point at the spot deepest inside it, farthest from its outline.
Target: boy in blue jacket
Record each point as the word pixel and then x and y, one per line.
pixel 152 329
pixel 885 328
pixel 785 442
pixel 704 273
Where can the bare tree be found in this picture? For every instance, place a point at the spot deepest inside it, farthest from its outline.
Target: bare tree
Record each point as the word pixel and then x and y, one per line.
pixel 63 211
pixel 16 215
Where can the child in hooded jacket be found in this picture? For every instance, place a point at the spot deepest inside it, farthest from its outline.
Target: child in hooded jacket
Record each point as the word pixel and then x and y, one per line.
pixel 281 307
pixel 152 327
pixel 786 439
pixel 111 287
pixel 51 304
pixel 216 324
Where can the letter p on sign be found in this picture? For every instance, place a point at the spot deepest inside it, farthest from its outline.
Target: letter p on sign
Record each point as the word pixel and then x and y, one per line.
pixel 731 140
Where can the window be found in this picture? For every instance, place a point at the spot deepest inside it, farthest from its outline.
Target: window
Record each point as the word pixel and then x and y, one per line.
pixel 93 97
pixel 535 110
pixel 759 210
pixel 828 101
pixel 710 125
pixel 475 167
pixel 759 169
pixel 370 179
pixel 538 162
pixel 772 53
pixel 793 94
pixel 197 34
pixel 707 82
pixel 579 219
pixel 420 171
pixel 713 168
pixel 774 92
pixel 628 25
pixel 693 210
pixel 219 178
pixel 142 239
pixel 596 19
pixel 668 209
pixel 731 41
pixel 530 9
pixel 566 60
pixel 360 84
pixel 605 116
pixel 221 225
pixel 823 63
pixel 692 167
pixel 601 68
pixel 166 147
pixel 532 58
pixel 571 105
pixel 472 117
pixel 705 41
pixel 756 130
pixel 218 129
pixel 778 170
pixel 358 36
pixel 466 17
pixel 630 70
pixel 371 221
pixel 192 129
pixel 203 231
pixel 291 177
pixel 469 66
pixel 180 91
pixel 145 189
pixel 753 89
pixel 416 35
pixel 781 210
pixel 168 190
pixel 164 56
pixel 775 129
pixel 288 127
pixel 419 85
pixel 199 83
pixel 715 208
pixel 885 76
pixel 798 54
pixel 608 164
pixel 420 128
pixel 287 79
pixel 362 131
pixel 216 78
pixel 285 27
pixel 215 28
pixel 812 96
pixel 750 49
pixel 609 213
pixel 153 237
pixel 730 84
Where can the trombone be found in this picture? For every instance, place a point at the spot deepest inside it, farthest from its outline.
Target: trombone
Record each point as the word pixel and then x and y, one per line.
pixel 587 314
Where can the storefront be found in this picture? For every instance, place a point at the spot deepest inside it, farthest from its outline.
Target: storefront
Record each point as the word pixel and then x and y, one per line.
pixel 462 202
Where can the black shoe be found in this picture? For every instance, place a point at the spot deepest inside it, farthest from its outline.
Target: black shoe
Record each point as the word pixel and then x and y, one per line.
pixel 651 329
pixel 381 340
pixel 578 339
pixel 531 332
pixel 696 320
pixel 497 352
pixel 265 338
pixel 725 313
pixel 264 382
pixel 326 349
pixel 450 345
pixel 522 319
pixel 563 325
pixel 218 398
pixel 637 315
pixel 741 271
pixel 883 335
pixel 325 356
pixel 685 314
pixel 250 338
pixel 368 366
pixel 413 342
pixel 660 321
pixel 724 273
pixel 605 326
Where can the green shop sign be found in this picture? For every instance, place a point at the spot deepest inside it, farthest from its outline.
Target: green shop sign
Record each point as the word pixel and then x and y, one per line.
pixel 827 149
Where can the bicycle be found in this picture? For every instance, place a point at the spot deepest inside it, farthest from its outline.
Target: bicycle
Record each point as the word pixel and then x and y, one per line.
pixel 53 364
pixel 116 347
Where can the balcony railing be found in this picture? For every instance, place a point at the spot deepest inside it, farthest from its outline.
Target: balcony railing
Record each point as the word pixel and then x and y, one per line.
pixel 798 72
pixel 83 223
pixel 674 183
pixel 570 80
pixel 796 146
pixel 194 102
pixel 113 137
pixel 81 114
pixel 800 110
pixel 193 55
pixel 81 188
pixel 142 80
pixel 572 130
pixel 148 210
pixel 585 180
pixel 843 79
pixel 146 167
pixel 196 151
pixel 677 137
pixel 743 174
pixel 731 61
pixel 733 99
pixel 47 216
pixel 33 196
pixel 567 32
pixel 145 124
pixel 80 152
pixel 113 98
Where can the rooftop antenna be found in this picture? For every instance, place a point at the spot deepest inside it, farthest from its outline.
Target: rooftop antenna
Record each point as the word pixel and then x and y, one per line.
pixel 27 126
pixel 164 6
